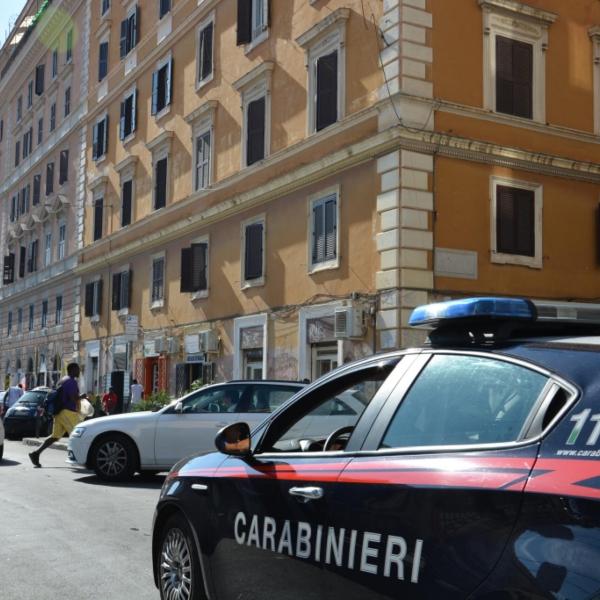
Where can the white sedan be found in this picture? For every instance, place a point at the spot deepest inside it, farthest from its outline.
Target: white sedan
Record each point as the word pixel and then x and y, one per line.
pixel 116 447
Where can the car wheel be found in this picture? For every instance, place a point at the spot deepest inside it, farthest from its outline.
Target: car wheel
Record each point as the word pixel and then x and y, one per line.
pixel 178 566
pixel 114 458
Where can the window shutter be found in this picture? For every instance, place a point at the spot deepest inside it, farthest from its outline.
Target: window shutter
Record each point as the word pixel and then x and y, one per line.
pixel 160 193
pixel 13 209
pixel 330 229
pixel 318 252
pixel 327 69
pixel 123 41
pixel 244 22
pixel 254 251
pixel 116 291
pixel 515 227
pixel 169 84
pixel 154 92
pixel 199 281
pixel 49 178
pixel 64 166
pixel 186 270
pixel 134 111
pixel 37 185
pixel 126 286
pixel 95 154
pixel 137 29
pixel 206 49
pixel 89 299
pixel 122 122
pixel 525 212
pixel 514 77
pixel 126 206
pixel 98 218
pixel 39 79
pixel 102 61
pixel 256 131
pixel 105 136
pixel 99 297
pixel 22 259
pixel 9 269
pixel 34 255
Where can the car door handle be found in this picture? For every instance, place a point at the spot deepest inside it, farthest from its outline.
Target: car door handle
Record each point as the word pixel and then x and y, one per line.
pixel 305 494
pixel 199 487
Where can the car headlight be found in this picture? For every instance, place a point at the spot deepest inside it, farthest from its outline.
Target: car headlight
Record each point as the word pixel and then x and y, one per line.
pixel 78 432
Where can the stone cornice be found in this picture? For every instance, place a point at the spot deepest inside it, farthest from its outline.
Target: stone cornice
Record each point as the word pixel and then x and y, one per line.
pixel 543 17
pixel 308 37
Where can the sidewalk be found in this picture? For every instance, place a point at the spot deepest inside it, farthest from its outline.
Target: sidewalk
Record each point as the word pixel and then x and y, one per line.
pixel 60 445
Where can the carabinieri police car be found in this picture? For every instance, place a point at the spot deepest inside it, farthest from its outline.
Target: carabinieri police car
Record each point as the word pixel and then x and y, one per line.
pixel 468 468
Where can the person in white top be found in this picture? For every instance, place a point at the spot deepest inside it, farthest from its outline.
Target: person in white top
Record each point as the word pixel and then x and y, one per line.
pixel 137 391
pixel 14 393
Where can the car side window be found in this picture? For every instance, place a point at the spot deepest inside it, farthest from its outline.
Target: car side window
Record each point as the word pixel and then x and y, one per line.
pixel 458 400
pixel 223 399
pixel 267 398
pixel 307 425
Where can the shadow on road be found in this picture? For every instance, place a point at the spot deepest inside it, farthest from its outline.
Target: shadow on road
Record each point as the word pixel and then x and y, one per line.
pixel 9 463
pixel 147 482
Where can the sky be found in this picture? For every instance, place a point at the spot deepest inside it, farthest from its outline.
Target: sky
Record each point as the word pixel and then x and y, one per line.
pixel 9 11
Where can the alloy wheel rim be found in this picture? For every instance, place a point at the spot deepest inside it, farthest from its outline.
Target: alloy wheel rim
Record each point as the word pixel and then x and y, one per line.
pixel 176 567
pixel 111 458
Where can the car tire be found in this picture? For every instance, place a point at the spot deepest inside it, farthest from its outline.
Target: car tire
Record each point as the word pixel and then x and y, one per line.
pixel 179 574
pixel 114 458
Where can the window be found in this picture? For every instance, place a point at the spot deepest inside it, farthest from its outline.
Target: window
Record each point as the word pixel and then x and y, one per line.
pixel 105 5
pixel 55 63
pixel 17 152
pixel 33 256
pixel 162 86
pixel 28 142
pixel 67 101
pixel 516 223
pixel 69 52
pixel 514 77
pixel 102 60
pixel 205 53
pixel 9 323
pixel 8 275
pixel 31 316
pixel 93 298
pixel 164 6
pixel 130 32
pixel 40 133
pixel 49 178
pixel 326 83
pixel 20 320
pixel 255 131
pixel 53 116
pixel 100 138
pixel 30 94
pixel 194 268
pixel 48 249
pixel 37 189
pixel 62 240
pixel 126 202
pixel 252 21
pixel 1 129
pixel 25 196
pixel 161 168
pixel 98 218
pixel 39 79
pixel 58 316
pixel 63 173
pixel 324 242
pixel 253 259
pixel 19 108
pixel 127 122
pixel 13 210
pixel 203 158
pixel 44 319
pixel 121 292
pixel 158 281
pixel 460 400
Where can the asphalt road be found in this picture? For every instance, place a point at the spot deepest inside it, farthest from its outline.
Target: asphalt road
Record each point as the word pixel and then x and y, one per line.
pixel 66 535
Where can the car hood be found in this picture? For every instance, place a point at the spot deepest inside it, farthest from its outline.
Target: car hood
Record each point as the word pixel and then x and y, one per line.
pixel 117 420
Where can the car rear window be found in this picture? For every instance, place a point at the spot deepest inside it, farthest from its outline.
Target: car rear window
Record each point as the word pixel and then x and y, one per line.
pixel 458 400
pixel 32 398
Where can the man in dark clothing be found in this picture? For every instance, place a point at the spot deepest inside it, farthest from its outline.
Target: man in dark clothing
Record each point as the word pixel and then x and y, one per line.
pixel 68 418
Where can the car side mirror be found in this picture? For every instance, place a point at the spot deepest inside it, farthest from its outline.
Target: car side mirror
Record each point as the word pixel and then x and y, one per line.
pixel 179 408
pixel 234 440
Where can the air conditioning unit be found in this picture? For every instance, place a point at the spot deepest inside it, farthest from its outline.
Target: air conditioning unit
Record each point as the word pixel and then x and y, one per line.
pixel 209 341
pixel 160 345
pixel 172 345
pixel 349 322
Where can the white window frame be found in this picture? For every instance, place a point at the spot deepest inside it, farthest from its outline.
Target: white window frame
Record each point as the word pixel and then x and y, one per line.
pixel 257 37
pixel 322 39
pixel 315 199
pixel 47 247
pixel 200 294
pixel 200 83
pixel 201 130
pixel 155 304
pixel 519 22
pixel 165 61
pixel 160 147
pixel 246 323
pixel 535 261
pixel 246 284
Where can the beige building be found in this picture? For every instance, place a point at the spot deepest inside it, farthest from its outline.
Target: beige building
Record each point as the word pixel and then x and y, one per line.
pixel 43 92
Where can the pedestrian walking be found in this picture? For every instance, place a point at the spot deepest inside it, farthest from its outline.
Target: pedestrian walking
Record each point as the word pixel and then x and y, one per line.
pixel 137 393
pixel 109 401
pixel 14 393
pixel 68 418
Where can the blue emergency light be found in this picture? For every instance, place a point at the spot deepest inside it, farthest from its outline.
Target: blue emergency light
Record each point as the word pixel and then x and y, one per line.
pixel 473 308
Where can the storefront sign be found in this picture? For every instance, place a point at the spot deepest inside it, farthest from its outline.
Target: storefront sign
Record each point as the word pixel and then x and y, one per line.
pixel 194 358
pixel 150 348
pixel 131 325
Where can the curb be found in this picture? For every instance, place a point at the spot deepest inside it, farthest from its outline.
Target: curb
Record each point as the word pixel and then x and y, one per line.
pixel 38 442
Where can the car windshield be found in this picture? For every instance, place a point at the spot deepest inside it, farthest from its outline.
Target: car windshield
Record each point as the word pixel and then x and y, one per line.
pixel 31 398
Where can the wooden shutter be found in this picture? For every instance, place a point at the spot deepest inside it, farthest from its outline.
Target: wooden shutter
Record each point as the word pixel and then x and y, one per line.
pixel 89 299
pixel 199 280
pixel 126 288
pixel 253 251
pixel 34 255
pixel 318 250
pixel 39 79
pixel 22 259
pixel 37 188
pixel 154 109
pixel 99 296
pixel 98 218
pixel 105 136
pixel 49 178
pixel 244 22
pixel 160 193
pixel 102 60
pixel 186 270
pixel 116 291
pixel 123 40
pixel 169 83
pixel 126 206
pixel 255 144
pixel 122 122
pixel 515 221
pixel 330 229
pixel 327 96
pixel 134 111
pixel 206 49
pixel 514 77
pixel 64 167
pixel 95 140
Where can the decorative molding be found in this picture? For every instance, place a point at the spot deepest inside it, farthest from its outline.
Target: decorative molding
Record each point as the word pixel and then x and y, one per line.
pixel 128 163
pixel 261 72
pixel 518 9
pixel 163 139
pixel 204 111
pixel 312 34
